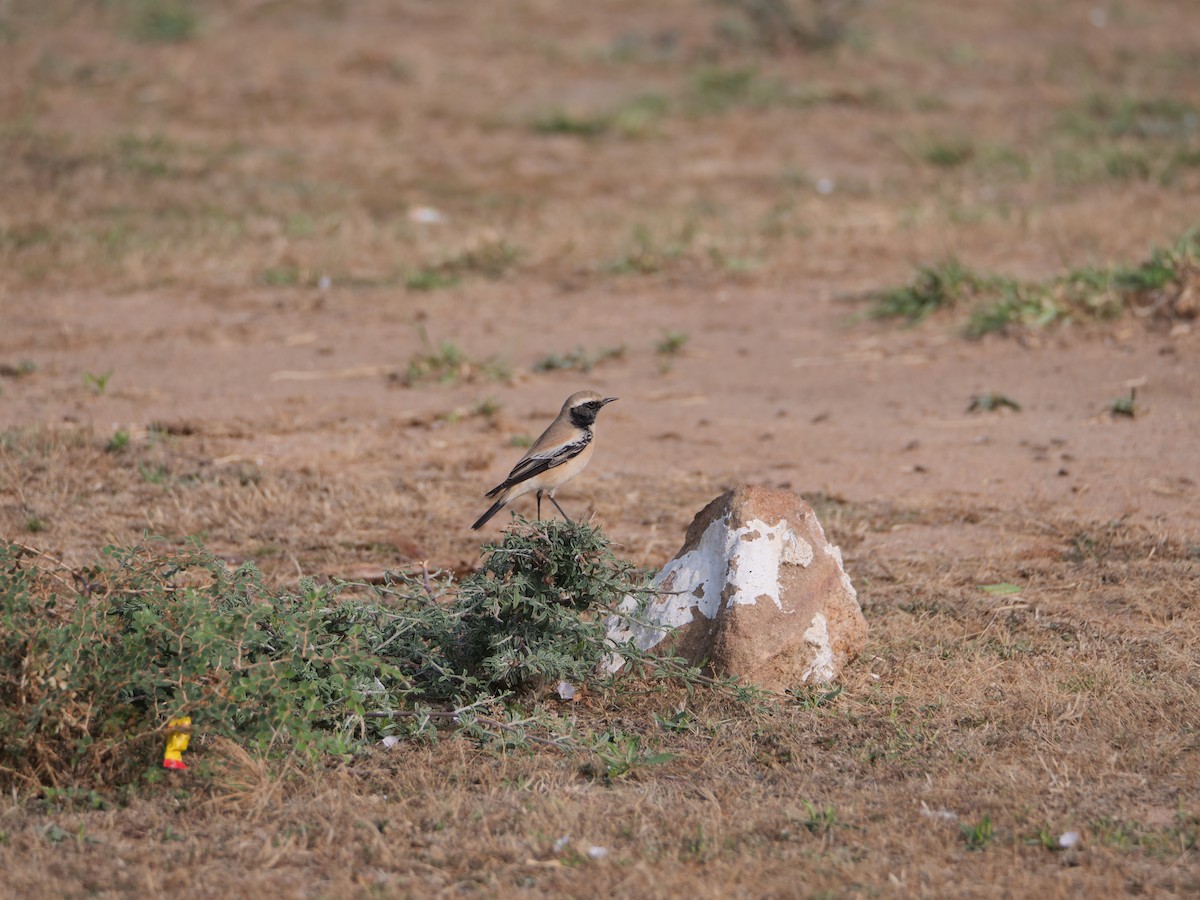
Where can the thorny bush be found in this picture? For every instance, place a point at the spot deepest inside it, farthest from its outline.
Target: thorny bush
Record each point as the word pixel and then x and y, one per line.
pixel 94 663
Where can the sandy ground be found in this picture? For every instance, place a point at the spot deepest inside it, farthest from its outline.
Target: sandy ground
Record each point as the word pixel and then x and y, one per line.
pixel 775 388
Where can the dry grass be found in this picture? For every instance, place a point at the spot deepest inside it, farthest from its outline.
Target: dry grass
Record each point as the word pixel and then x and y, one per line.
pixel 1067 705
pixel 224 220
pixel 1038 711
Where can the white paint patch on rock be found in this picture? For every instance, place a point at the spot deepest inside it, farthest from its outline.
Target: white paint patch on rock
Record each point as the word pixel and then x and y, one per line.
pixel 739 563
pixel 820 668
pixel 796 550
pixel 756 552
pixel 836 552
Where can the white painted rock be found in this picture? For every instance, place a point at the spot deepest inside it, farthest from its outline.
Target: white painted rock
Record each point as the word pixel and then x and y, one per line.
pixel 756 591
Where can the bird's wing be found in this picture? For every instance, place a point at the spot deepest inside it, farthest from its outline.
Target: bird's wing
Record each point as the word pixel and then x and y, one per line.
pixel 542 460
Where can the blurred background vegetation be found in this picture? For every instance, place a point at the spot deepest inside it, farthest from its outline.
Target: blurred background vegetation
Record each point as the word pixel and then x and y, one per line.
pixel 416 146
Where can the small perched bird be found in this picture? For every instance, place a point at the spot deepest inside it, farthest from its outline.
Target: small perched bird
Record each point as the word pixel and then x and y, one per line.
pixel 554 459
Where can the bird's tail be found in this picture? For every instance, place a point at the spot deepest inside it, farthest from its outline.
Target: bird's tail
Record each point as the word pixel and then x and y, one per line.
pixel 495 508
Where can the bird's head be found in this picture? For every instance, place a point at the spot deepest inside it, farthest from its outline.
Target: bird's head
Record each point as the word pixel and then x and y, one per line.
pixel 583 407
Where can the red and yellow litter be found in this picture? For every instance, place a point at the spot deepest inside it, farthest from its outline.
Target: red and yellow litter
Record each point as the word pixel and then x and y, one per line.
pixel 179 732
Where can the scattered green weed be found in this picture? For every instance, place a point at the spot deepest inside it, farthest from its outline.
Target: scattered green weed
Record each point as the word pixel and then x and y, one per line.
pixel 281 276
pixel 562 122
pixel 579 359
pixel 781 24
pixel 25 237
pixel 1141 118
pixel 1126 165
pixel 812 697
pixel 163 21
pixel 488 407
pixel 947 153
pixel 22 369
pixel 118 442
pixel 821 820
pixel 1124 406
pixel 1182 159
pixel 979 835
pixel 943 286
pixel 634 118
pixel 152 473
pixel 671 343
pixel 429 279
pixel 1126 138
pixel 1164 268
pixel 56 834
pixel 645 253
pixel 1117 833
pixel 1001 588
pixel 447 363
pixel 490 258
pixel 144 156
pixel 715 90
pixel 98 383
pixel 1166 842
pixel 640 116
pixel 1046 838
pixel 991 401
pixel 1001 162
pixel 679 721
pixel 71 797
pixel 996 302
pixel 698 845
pixel 621 755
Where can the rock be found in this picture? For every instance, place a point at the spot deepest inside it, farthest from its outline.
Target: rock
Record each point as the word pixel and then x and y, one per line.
pixel 756 591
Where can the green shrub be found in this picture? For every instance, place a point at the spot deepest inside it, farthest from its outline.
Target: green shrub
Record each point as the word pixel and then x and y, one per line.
pixel 90 675
pixel 520 622
pixel 89 679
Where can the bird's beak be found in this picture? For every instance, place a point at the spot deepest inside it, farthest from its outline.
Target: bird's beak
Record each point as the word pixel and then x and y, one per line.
pixel 608 400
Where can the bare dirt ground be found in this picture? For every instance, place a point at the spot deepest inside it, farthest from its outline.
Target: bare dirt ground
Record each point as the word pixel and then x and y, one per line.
pixel 224 261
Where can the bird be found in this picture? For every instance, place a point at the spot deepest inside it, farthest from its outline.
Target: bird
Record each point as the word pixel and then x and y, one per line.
pixel 555 458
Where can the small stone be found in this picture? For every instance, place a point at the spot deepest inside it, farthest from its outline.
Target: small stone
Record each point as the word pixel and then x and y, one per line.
pixel 941 815
pixel 1069 839
pixel 426 215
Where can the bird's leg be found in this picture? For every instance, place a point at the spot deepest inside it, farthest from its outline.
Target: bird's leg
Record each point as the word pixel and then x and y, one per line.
pixel 539 515
pixel 561 510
